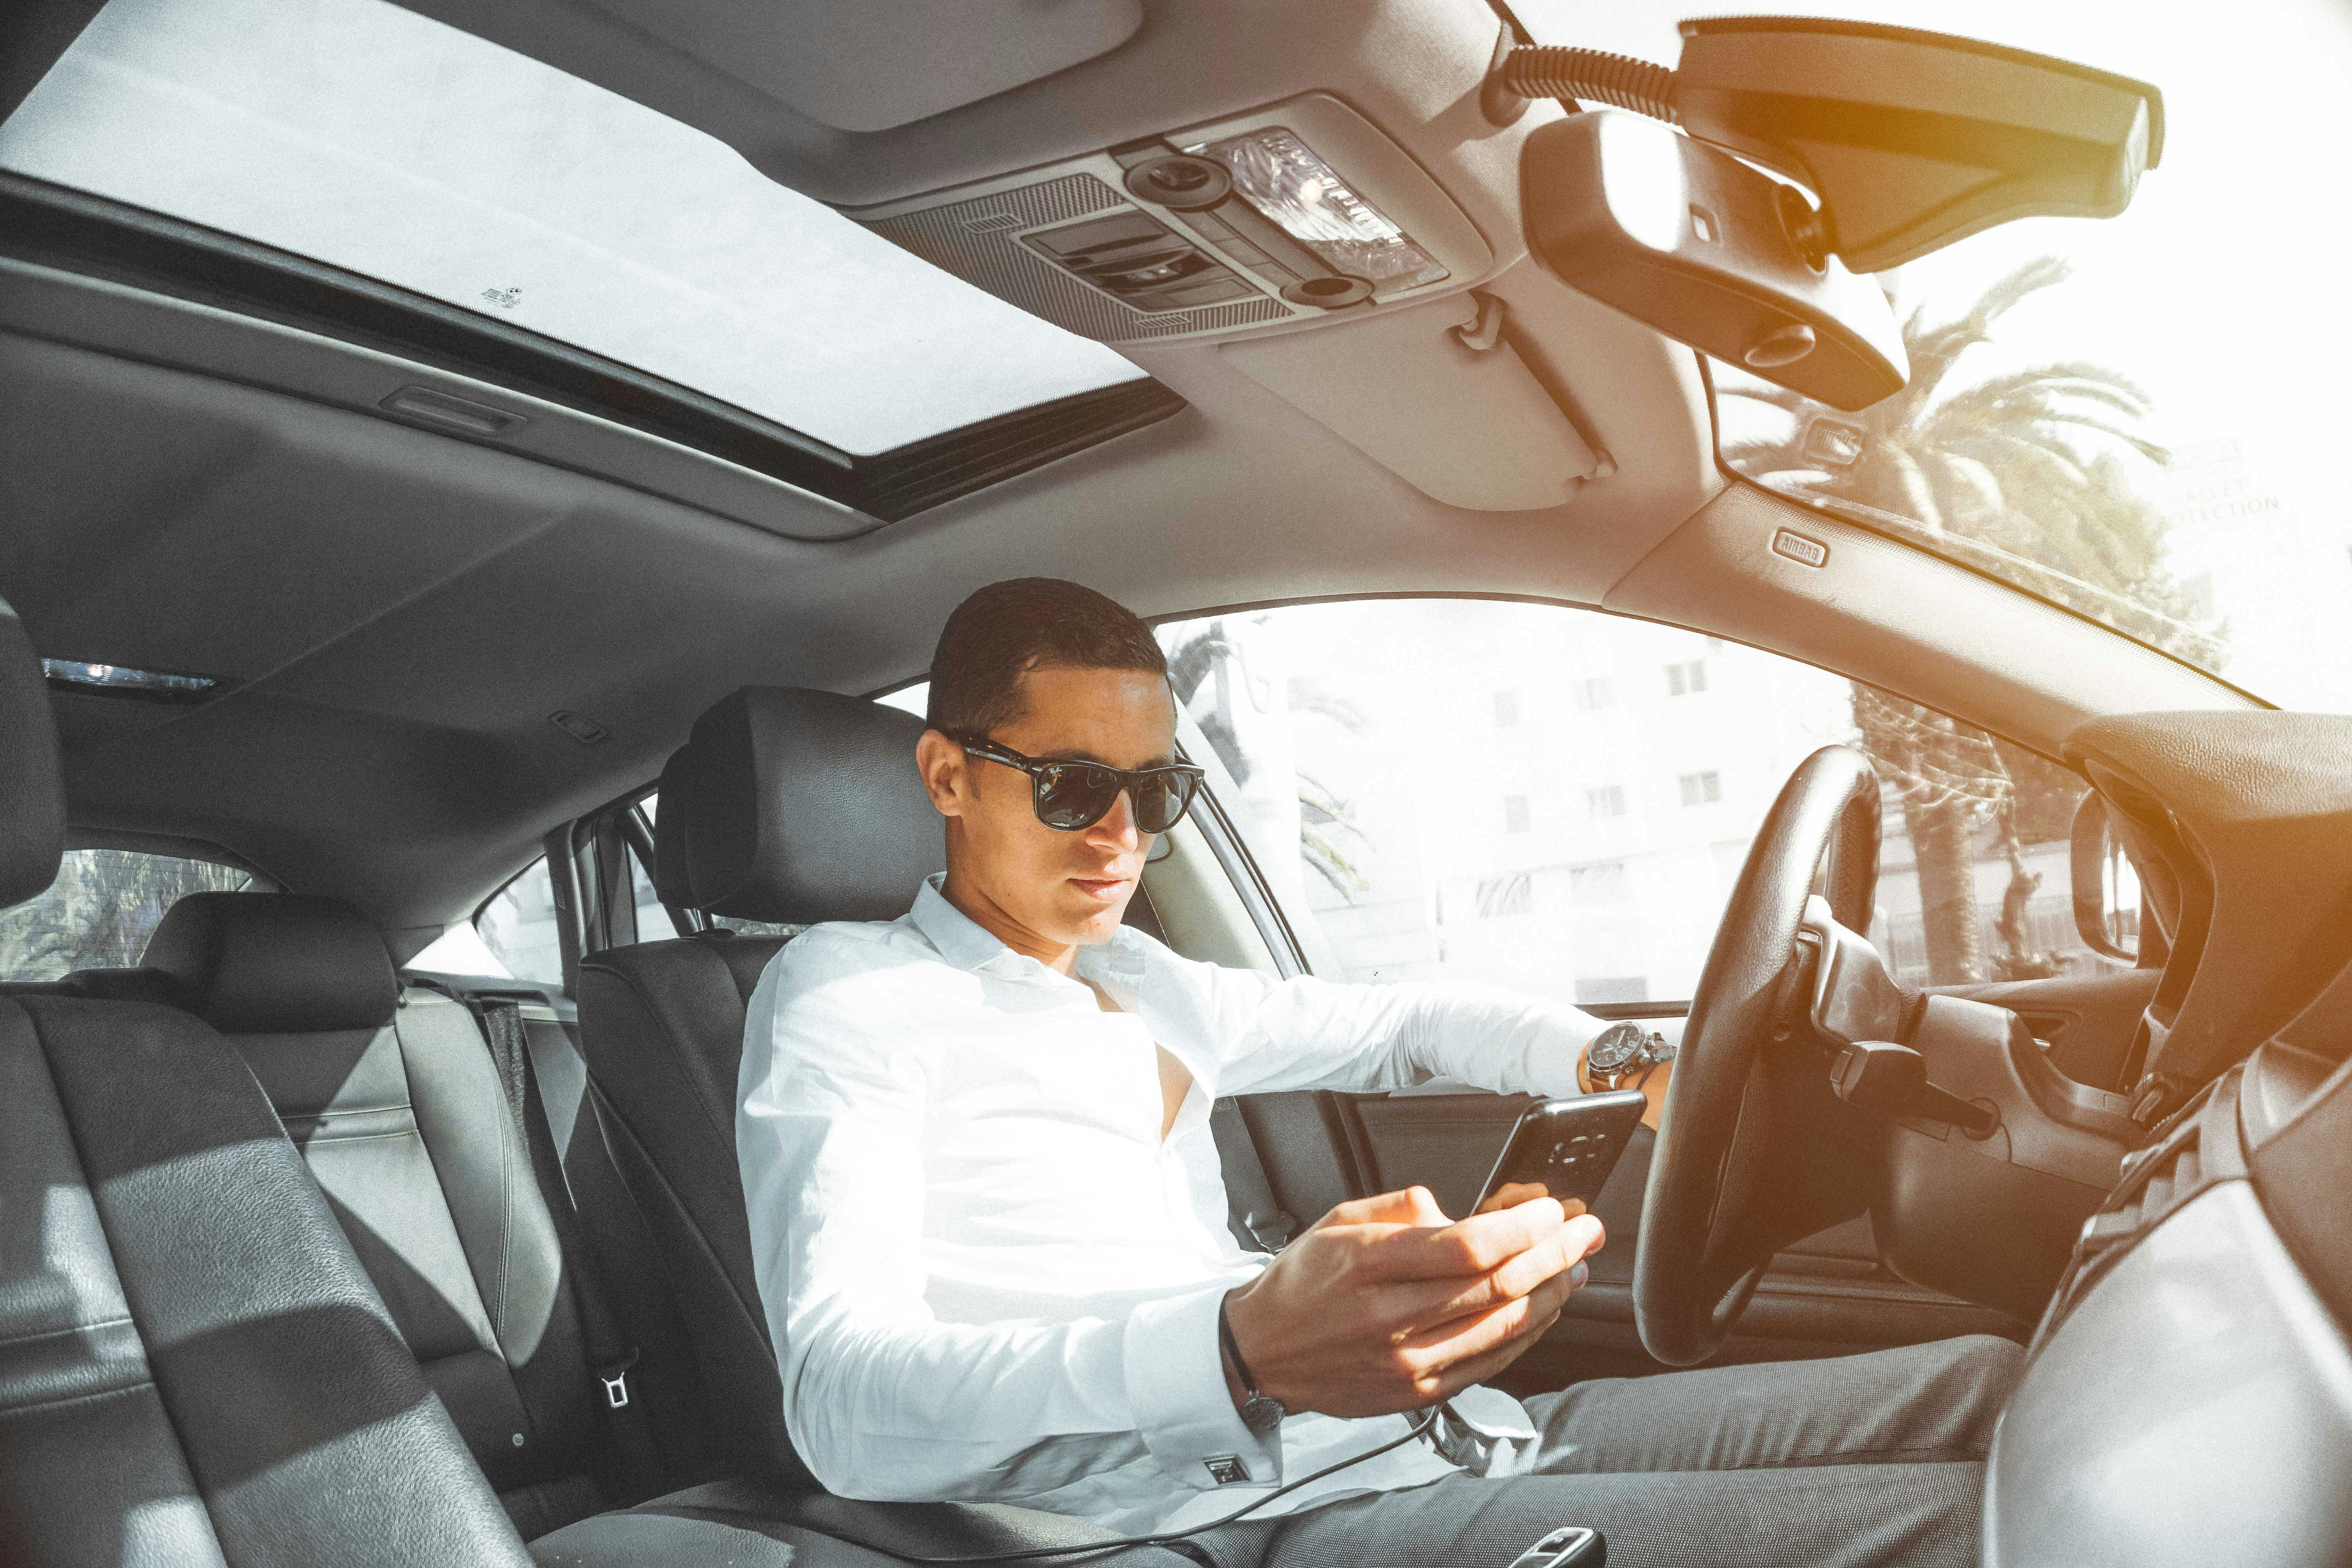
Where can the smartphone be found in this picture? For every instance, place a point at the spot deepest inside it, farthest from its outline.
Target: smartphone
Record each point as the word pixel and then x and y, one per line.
pixel 1567 1147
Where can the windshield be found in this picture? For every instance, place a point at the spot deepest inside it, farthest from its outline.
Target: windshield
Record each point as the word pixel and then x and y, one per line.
pixel 363 135
pixel 2139 417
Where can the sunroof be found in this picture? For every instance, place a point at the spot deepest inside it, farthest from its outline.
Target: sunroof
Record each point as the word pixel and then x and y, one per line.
pixel 367 137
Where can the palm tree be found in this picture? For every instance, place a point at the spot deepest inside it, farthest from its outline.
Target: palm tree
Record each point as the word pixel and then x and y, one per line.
pixel 2026 473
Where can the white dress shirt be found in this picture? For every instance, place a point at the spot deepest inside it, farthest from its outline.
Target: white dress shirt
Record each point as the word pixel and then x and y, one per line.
pixel 986 1275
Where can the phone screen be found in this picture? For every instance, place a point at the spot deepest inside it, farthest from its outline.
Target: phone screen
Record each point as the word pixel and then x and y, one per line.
pixel 1563 1149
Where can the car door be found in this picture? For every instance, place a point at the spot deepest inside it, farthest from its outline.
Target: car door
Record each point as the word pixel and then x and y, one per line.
pixel 1557 801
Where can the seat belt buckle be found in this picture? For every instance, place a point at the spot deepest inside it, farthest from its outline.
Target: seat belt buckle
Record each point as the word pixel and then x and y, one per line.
pixel 616 1379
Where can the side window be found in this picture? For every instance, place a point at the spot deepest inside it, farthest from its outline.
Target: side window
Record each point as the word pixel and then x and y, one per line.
pixel 101 910
pixel 653 923
pixel 518 926
pixel 1560 801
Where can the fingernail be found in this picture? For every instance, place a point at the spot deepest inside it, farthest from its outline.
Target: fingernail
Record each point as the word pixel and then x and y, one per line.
pixel 1579 1275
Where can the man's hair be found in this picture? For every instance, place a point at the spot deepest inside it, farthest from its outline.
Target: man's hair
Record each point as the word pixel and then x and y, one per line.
pixel 1009 628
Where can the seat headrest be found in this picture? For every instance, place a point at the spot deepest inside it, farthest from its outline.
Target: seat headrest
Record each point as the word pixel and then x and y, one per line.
pixel 32 782
pixel 803 806
pixel 275 964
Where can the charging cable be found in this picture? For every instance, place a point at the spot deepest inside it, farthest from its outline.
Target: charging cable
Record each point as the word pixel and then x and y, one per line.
pixel 1423 1424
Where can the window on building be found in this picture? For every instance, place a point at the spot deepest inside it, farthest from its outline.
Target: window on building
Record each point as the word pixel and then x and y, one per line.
pixel 1701 789
pixel 1686 678
pixel 1500 898
pixel 1349 749
pixel 1507 708
pixel 101 910
pixel 1592 693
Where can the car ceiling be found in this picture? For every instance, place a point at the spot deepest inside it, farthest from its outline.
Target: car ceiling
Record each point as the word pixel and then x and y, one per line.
pixel 401 611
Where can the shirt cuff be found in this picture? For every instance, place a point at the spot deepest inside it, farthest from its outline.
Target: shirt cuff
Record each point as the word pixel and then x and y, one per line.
pixel 1176 1386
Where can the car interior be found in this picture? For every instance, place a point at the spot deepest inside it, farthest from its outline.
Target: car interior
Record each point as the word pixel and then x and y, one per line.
pixel 479 486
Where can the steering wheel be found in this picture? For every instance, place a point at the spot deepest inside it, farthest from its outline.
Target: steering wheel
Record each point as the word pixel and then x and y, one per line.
pixel 1738 1171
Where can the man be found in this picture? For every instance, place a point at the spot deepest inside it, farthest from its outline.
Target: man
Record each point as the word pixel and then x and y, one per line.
pixel 990 1233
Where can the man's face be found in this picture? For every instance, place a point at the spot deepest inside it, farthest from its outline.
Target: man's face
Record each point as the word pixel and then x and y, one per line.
pixel 1061 889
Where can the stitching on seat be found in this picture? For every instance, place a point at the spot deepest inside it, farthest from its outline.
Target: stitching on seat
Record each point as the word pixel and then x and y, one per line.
pixel 78 1398
pixel 60 1333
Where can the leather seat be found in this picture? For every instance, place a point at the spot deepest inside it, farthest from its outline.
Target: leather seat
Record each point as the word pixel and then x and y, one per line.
pixel 395 1103
pixel 194 1366
pixel 785 807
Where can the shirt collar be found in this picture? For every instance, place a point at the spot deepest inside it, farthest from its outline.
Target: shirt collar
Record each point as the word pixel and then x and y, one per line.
pixel 966 943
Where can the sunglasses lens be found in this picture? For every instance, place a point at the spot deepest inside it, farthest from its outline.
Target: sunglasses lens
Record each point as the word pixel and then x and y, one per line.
pixel 1161 799
pixel 1075 796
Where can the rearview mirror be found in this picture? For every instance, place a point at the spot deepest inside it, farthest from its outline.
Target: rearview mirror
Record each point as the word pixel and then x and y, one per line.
pixel 2106 886
pixel 1687 239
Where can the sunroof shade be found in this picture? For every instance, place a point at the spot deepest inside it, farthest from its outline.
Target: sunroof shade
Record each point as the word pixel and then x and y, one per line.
pixel 369 138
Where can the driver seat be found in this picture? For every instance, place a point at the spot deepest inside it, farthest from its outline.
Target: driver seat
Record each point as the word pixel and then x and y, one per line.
pixel 788 807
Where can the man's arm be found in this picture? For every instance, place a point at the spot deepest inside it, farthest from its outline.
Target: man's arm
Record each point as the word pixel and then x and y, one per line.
pixel 1305 1033
pixel 882 1400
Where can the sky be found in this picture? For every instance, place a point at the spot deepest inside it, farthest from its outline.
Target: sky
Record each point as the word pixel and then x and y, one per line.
pixel 373 138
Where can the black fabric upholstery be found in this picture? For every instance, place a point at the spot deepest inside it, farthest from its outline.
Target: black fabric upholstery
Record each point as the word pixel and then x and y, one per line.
pixel 661 1026
pixel 31 789
pixel 804 806
pixel 259 963
pixel 222 1383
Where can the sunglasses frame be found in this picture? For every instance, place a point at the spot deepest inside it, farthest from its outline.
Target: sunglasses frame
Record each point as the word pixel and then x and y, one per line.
pixel 1038 769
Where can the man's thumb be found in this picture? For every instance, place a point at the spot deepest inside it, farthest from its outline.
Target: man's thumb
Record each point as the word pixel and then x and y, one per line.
pixel 1414 1206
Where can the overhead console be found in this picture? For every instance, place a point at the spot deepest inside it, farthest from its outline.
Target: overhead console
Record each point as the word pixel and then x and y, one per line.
pixel 1282 214
pixel 1301 214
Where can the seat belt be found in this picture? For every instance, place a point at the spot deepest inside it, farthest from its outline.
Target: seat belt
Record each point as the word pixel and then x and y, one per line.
pixel 1248 1193
pixel 611 1356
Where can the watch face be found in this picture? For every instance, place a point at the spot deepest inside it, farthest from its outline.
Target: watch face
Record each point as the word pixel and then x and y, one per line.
pixel 1613 1047
pixel 1261 1413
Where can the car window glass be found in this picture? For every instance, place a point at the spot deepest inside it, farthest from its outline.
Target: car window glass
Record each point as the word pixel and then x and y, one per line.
pixel 101 911
pixel 1561 801
pixel 2179 484
pixel 518 926
pixel 653 923
pixel 370 137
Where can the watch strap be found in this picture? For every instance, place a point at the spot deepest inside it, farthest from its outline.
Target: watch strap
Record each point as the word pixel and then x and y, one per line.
pixel 1261 1412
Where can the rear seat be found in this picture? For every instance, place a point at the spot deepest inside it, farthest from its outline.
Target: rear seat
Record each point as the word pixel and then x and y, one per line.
pixel 194 1369
pixel 394 1101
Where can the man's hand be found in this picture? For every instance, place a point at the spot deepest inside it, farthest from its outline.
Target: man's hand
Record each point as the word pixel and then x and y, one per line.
pixel 1385 1304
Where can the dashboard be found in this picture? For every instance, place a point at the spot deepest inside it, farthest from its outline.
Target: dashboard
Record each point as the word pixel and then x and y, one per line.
pixel 2189 1391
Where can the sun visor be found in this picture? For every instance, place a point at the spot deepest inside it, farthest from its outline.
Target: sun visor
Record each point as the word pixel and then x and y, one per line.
pixel 1437 395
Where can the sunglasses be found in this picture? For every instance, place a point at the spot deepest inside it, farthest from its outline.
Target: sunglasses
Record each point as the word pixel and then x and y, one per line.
pixel 1074 795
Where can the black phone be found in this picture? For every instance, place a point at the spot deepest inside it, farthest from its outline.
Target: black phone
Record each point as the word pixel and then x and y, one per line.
pixel 1568 1147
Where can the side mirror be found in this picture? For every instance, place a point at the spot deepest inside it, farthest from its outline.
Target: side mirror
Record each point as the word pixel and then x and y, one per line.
pixel 2106 886
pixel 1684 238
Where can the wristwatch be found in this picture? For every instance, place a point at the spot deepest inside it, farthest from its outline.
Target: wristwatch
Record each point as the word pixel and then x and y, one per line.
pixel 1622 1052
pixel 1261 1413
